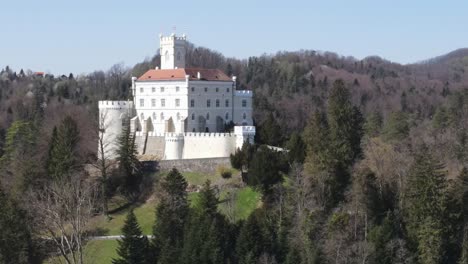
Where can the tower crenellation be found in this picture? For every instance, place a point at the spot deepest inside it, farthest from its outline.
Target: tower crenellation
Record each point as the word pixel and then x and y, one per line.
pixel 172 50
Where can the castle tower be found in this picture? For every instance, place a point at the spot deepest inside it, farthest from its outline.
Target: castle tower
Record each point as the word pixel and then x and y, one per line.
pixel 172 49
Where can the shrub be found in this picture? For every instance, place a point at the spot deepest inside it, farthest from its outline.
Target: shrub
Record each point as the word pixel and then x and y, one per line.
pixel 225 172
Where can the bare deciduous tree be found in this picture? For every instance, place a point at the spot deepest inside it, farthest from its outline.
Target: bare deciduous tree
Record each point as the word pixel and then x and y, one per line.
pixel 104 162
pixel 61 211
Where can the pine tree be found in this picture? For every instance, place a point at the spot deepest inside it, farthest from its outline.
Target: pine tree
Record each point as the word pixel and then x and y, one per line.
pixel 129 164
pixel 15 238
pixel 296 149
pixel 207 234
pixel 396 128
pixel 171 215
pixel 373 124
pixel 426 203
pixel 264 169
pixel 63 157
pixel 345 123
pixel 133 247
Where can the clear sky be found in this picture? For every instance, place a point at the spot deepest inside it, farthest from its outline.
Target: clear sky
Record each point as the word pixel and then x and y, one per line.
pixel 79 36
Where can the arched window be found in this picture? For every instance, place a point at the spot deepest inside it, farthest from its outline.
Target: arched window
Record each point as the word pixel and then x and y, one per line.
pixel 154 116
pixel 178 116
pixel 162 116
pixel 178 55
pixel 142 116
pixel 193 116
pixel 244 116
pixel 226 117
pixel 166 56
pixel 207 116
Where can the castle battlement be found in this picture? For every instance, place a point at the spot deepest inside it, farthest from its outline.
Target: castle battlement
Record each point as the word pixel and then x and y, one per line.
pixel 115 104
pixel 172 37
pixel 243 93
pixel 186 134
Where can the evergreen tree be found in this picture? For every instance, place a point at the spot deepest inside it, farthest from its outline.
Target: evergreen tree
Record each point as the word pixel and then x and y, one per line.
pixel 260 236
pixel 296 149
pixel 15 239
pixel 373 124
pixel 317 137
pixel 270 131
pixel 396 128
pixel 207 234
pixel 264 169
pixel 129 164
pixel 17 165
pixel 133 247
pixel 426 203
pixel 63 157
pixel 345 123
pixel 171 215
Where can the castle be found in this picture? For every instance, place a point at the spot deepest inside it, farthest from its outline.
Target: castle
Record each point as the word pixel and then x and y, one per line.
pixel 178 112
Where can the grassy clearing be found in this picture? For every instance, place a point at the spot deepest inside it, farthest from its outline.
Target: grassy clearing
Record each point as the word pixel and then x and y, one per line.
pixel 96 252
pixel 144 214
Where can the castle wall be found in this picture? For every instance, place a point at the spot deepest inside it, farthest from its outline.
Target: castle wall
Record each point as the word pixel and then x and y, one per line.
pixel 208 145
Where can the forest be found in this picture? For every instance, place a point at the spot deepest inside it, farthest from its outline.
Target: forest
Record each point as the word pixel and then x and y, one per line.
pixel 375 167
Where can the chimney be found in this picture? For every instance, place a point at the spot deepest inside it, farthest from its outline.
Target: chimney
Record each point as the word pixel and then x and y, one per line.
pixel 157 68
pixel 198 75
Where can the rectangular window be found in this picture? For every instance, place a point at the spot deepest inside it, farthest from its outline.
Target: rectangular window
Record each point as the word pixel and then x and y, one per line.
pixel 162 89
pixel 244 103
pixel 193 89
pixel 177 102
pixel 153 89
pixel 153 102
pixel 208 103
pixel 217 103
pixel 163 102
pixel 227 90
pixel 206 89
pixel 227 103
pixel 192 103
pixel 142 102
pixel 141 90
pixel 217 89
pixel 177 89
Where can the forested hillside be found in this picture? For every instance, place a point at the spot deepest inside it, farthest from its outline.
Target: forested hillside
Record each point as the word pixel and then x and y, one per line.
pixel 374 172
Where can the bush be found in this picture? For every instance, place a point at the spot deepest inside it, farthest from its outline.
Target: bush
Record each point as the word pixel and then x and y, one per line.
pixel 225 172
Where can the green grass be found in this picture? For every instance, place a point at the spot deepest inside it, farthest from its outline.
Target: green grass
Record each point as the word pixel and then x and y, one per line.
pixel 144 213
pixel 247 200
pixel 95 252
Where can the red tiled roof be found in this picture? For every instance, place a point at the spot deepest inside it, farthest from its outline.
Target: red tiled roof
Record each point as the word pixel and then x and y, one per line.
pixel 179 74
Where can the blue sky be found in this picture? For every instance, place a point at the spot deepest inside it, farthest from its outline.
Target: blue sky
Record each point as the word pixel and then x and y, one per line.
pixel 62 36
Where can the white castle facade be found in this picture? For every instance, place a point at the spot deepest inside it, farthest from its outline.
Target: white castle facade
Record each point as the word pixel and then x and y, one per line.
pixel 180 113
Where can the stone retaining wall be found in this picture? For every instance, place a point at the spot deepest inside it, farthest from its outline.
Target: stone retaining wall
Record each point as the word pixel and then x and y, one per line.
pixel 188 165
